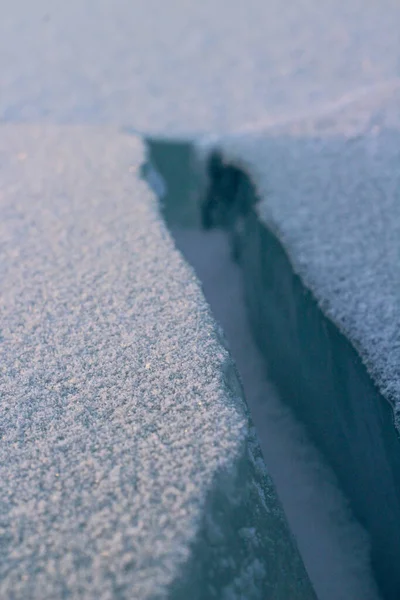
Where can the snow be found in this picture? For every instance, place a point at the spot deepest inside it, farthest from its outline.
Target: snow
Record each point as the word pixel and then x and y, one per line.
pixel 173 68
pixel 216 68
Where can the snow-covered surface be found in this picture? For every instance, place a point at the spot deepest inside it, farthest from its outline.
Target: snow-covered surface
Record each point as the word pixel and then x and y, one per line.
pixel 334 547
pixel 185 67
pixel 170 68
pixel 120 408
pixel 329 187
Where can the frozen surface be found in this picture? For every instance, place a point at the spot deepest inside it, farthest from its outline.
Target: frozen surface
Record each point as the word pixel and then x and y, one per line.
pixel 127 459
pixel 178 67
pixel 166 68
pixel 329 187
pixel 334 547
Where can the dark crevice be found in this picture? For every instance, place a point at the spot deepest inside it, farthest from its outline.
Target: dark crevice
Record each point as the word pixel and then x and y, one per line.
pixel 243 547
pixel 315 369
pixel 318 372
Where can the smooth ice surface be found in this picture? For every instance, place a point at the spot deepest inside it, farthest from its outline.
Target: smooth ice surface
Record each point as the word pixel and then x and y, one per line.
pixel 334 547
pixel 329 187
pixel 184 67
pixel 125 439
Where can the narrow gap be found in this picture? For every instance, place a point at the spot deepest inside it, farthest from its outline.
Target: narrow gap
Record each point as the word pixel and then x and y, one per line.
pixel 334 547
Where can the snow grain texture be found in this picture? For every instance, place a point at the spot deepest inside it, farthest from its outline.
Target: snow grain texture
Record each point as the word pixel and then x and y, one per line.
pixel 120 409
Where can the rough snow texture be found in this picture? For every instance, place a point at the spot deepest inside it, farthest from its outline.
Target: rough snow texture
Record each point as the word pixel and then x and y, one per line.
pixel 329 187
pixel 174 67
pixel 122 423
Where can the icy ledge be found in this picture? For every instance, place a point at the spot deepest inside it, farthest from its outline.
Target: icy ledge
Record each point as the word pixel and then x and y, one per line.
pixel 313 211
pixel 130 463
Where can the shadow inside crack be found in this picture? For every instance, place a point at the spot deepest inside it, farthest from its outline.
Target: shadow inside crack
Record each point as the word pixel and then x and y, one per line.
pixel 319 448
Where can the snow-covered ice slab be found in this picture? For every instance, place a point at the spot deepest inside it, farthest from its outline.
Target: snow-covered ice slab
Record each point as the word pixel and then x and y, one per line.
pixel 129 466
pixel 313 206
